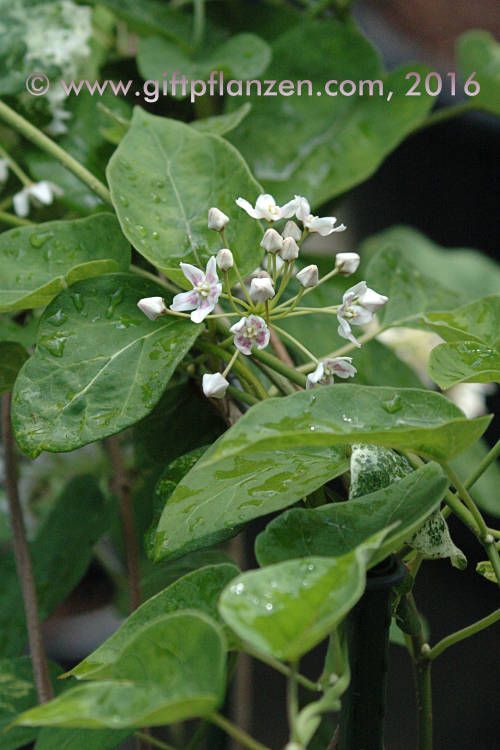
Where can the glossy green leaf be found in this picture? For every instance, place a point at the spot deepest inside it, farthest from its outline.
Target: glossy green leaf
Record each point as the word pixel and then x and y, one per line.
pixel 18 693
pixel 40 261
pixel 100 364
pixel 478 321
pixel 211 502
pixel 469 273
pixel 485 569
pixel 286 609
pixel 405 418
pixel 12 358
pixel 374 467
pixel 164 176
pixel 198 590
pixel 478 52
pixel 76 739
pixel 464 362
pixel 152 17
pixel 325 144
pixel 411 293
pixel 242 56
pixel 337 528
pixel 171 671
pixel 61 553
pixel 222 124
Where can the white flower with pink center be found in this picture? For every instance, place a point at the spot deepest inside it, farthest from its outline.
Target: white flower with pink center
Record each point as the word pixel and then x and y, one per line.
pixel 249 332
pixel 323 225
pixel 266 208
pixel 205 293
pixel 359 303
pixel 326 370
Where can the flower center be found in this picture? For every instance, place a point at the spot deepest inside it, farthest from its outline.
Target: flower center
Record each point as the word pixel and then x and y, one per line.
pixel 203 289
pixel 250 332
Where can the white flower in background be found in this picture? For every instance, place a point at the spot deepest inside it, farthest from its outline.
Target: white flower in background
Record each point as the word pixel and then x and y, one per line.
pixel 325 371
pixel 205 293
pixel 471 397
pixel 214 385
pixel 248 332
pixel 324 225
pixel 308 276
pixel 153 307
pixel 4 170
pixel 225 259
pixel 290 249
pixel 39 193
pixel 266 208
pixel 261 290
pixel 347 263
pixel 58 37
pixel 413 347
pixel 217 220
pixel 359 303
pixel 272 241
pixel 292 230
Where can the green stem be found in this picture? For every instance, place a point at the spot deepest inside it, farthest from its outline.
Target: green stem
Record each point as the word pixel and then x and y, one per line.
pixel 484 536
pixel 238 734
pixel 292 701
pixel 239 367
pixel 231 363
pixel 238 395
pixel 276 364
pixel 281 383
pixel 22 176
pixel 296 343
pixel 240 279
pixel 345 349
pixel 285 278
pixel 422 674
pixel 153 741
pixel 36 136
pixel 487 460
pixel 460 635
pixel 151 276
pixel 198 22
pixel 229 295
pixel 283 669
pixel 15 221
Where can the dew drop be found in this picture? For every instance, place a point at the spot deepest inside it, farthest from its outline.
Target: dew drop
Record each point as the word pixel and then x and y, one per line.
pixel 37 240
pixel 54 345
pixel 115 300
pixel 393 404
pixel 77 301
pixel 141 229
pixel 58 318
pixel 124 201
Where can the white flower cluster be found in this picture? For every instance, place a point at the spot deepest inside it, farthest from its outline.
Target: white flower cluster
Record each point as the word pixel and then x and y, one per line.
pixel 251 331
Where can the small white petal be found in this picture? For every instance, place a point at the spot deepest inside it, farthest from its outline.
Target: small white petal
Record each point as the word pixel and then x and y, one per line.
pixel 246 206
pixel 225 259
pixel 42 192
pixel 347 263
pixel 192 274
pixel 292 230
pixel 290 249
pixel 372 301
pixel 272 241
pixel 261 290
pixel 308 276
pixel 303 209
pixel 184 301
pixel 217 220
pixel 214 385
pixel 21 203
pixel 153 307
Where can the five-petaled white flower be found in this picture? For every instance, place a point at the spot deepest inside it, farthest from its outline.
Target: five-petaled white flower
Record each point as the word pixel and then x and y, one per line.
pixel 214 385
pixel 205 293
pixel 266 208
pixel 359 303
pixel 324 225
pixel 4 170
pixel 325 371
pixel 40 193
pixel 249 332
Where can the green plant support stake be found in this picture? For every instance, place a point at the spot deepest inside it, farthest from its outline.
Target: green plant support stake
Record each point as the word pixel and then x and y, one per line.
pixel 363 704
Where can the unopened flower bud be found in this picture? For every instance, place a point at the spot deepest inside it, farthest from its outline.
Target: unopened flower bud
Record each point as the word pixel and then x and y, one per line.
pixel 225 259
pixel 292 230
pixel 272 241
pixel 153 307
pixel 217 220
pixel 290 249
pixel 214 385
pixel 308 276
pixel 261 290
pixel 347 263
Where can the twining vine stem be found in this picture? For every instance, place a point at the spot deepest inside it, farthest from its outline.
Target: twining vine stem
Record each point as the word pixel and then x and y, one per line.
pixel 23 559
pixel 460 635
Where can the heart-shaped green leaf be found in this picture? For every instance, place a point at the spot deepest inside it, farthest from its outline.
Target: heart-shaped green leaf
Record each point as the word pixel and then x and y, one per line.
pixel 198 590
pixel 477 321
pixel 464 362
pixel 325 144
pixel 100 365
pixel 212 501
pixel 174 669
pixel 222 124
pixel 39 262
pixel 285 610
pixel 337 528
pixel 164 176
